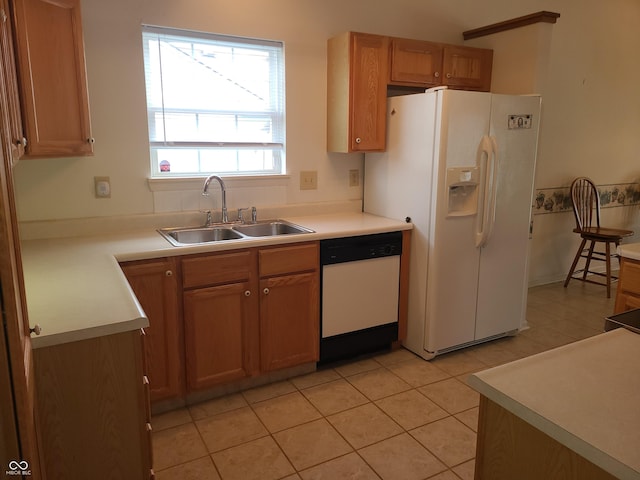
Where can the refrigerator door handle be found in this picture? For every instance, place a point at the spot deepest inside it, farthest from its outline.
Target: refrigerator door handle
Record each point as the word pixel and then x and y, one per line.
pixel 486 159
pixel 493 191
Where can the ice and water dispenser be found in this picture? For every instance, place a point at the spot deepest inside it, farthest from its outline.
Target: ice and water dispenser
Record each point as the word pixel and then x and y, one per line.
pixel 462 191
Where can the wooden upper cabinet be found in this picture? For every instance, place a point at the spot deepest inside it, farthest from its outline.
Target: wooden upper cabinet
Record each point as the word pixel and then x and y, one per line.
pixel 356 92
pixel 467 68
pixel 10 77
pixel 429 64
pixel 361 66
pixel 52 78
pixel 415 62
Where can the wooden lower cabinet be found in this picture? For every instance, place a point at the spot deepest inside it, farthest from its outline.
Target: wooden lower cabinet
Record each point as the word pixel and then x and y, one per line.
pixel 289 315
pixel 249 312
pixel 221 334
pixel 628 291
pixel 220 304
pixel 93 410
pixel 155 284
pixel 239 313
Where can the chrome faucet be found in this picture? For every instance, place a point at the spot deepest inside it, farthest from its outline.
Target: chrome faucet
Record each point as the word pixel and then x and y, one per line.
pixel 225 217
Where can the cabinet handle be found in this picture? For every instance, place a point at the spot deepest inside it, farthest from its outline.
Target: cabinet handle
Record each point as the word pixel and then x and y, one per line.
pixel 266 291
pixel 358 140
pixel 436 74
pixel 37 330
pixel 168 273
pixel 247 293
pixel 145 380
pixel 148 426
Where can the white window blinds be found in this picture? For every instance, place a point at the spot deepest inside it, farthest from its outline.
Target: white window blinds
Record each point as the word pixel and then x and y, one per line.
pixel 215 103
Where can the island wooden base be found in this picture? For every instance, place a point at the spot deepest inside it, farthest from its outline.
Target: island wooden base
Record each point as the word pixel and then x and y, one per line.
pixel 510 448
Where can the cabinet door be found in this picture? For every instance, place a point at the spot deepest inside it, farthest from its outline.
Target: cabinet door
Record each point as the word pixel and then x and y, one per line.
pixel 467 68
pixel 368 106
pixel 154 284
pixel 628 291
pixel 289 316
pixel 11 83
pixel 221 334
pixel 415 62
pixel 52 76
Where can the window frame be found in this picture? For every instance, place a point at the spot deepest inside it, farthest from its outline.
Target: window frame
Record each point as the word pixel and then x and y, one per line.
pixel 276 116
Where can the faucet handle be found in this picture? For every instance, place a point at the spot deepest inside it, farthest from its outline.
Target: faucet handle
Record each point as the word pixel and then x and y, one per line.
pixel 240 217
pixel 254 215
pixel 209 220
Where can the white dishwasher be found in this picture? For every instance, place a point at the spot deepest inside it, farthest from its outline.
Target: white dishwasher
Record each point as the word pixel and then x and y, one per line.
pixel 360 289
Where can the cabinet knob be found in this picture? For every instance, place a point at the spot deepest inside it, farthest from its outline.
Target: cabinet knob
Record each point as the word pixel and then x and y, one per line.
pixel 436 74
pixel 266 291
pixel 91 140
pixel 247 293
pixel 168 273
pixel 448 75
pixel 37 329
pixel 21 142
pixel 358 140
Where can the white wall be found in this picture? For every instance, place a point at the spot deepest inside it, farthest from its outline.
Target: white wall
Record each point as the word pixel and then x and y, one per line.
pixel 586 66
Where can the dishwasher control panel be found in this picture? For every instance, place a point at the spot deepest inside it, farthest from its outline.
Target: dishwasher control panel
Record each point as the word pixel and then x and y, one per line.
pixel 361 247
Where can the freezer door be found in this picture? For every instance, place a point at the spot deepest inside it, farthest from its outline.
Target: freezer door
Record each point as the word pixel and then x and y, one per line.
pixel 502 279
pixel 454 260
pixel 399 183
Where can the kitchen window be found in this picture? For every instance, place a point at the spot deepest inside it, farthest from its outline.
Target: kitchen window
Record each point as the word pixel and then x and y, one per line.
pixel 215 103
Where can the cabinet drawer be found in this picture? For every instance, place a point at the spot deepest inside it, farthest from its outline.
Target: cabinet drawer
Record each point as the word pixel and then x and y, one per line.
pixel 219 268
pixel 630 276
pixel 296 258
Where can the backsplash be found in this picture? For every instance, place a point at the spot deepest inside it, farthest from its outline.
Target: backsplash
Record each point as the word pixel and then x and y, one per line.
pixel 558 199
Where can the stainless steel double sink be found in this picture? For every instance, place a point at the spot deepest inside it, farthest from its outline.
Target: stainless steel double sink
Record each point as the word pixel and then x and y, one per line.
pixel 183 236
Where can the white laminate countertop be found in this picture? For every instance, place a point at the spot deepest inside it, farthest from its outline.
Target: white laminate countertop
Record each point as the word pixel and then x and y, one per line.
pixel 76 290
pixel 629 250
pixel 585 395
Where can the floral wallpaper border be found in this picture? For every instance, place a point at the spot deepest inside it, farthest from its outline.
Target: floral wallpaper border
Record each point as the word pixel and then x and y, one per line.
pixel 558 199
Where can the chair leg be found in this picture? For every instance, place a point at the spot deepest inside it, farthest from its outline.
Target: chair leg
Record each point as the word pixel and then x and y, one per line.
pixel 588 263
pixel 608 252
pixel 575 262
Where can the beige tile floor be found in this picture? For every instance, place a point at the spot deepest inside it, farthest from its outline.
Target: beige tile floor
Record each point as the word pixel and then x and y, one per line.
pixel 391 416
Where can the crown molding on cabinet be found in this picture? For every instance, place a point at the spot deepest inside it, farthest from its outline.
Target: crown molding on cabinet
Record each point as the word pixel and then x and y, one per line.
pixel 539 17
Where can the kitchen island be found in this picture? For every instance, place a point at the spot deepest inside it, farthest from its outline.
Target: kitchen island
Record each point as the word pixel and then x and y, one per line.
pixel 570 413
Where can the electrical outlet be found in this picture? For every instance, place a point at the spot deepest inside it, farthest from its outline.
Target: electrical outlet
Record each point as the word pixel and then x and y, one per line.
pixel 354 178
pixel 102 186
pixel 309 180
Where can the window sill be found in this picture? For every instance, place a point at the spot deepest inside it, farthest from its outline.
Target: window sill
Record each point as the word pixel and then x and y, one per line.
pixel 196 183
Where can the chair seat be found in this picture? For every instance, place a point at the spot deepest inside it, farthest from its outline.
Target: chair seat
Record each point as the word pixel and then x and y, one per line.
pixel 603 234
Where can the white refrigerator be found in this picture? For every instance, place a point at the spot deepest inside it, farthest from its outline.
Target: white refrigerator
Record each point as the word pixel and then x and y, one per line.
pixel 460 166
